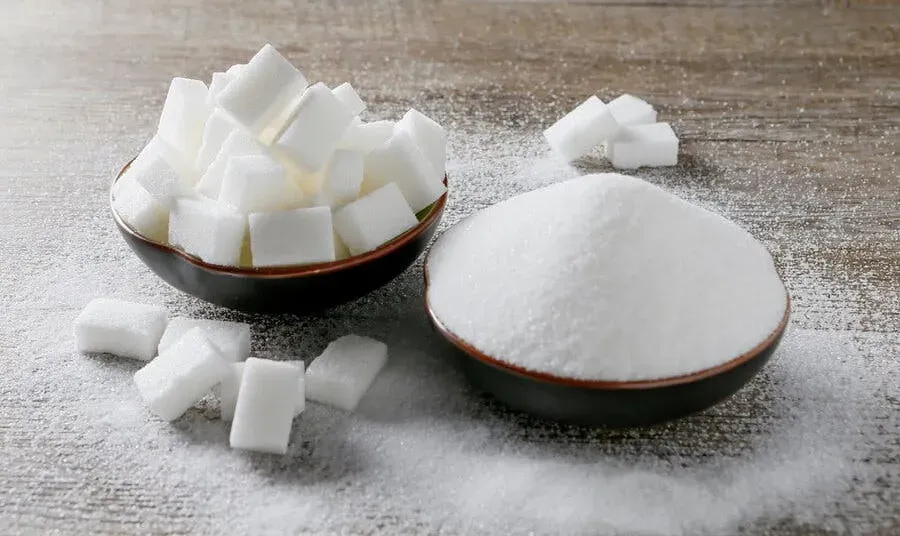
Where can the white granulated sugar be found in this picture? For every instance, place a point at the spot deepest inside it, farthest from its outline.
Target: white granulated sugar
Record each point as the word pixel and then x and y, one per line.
pixel 607 262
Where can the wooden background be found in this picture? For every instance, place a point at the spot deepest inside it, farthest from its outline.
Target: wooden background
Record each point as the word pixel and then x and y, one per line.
pixel 792 108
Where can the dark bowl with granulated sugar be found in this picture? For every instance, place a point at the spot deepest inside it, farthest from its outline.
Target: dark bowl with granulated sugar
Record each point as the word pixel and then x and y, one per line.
pixel 606 403
pixel 284 289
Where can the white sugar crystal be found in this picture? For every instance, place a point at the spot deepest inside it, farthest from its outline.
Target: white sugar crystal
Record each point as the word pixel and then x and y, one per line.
pixel 238 143
pixel 300 236
pixel 180 376
pixel 629 110
pixel 227 390
pixel 156 170
pixel 314 129
pixel 652 145
pixel 401 161
pixel 374 219
pixel 366 137
pixel 342 177
pixel 262 90
pixel 121 328
pixel 184 116
pixel 429 136
pixel 139 210
pixel 265 406
pixel 206 230
pixel 218 128
pixel 231 339
pixel 257 183
pixel 218 82
pixel 349 98
pixel 579 131
pixel 345 370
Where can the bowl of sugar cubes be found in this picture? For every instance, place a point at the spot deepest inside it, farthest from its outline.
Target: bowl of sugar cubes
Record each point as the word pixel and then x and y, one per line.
pixel 263 192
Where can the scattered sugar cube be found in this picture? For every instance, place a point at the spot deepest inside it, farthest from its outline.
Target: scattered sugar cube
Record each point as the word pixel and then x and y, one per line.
pixel 231 339
pixel 238 143
pixel 155 170
pixel 180 376
pixel 206 230
pixel 265 406
pixel 587 126
pixel 218 128
pixel 184 116
pixel 315 128
pixel 300 236
pixel 257 183
pixel 218 82
pixel 349 98
pixel 401 161
pixel 139 210
pixel 342 177
pixel 366 137
pixel 227 390
pixel 429 136
pixel 262 90
pixel 652 145
pixel 121 328
pixel 345 370
pixel 629 110
pixel 374 219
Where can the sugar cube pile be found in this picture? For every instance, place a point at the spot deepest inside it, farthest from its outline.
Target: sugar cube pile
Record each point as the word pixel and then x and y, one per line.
pixel 626 127
pixel 190 358
pixel 263 156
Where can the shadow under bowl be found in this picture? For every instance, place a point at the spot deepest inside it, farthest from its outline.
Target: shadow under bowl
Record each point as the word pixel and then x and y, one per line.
pixel 284 289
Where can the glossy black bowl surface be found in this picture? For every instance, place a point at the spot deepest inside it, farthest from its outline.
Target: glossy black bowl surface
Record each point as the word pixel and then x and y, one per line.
pixel 289 289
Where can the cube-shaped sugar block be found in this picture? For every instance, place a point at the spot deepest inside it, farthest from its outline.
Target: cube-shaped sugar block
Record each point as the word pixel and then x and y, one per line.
pixel 265 406
pixel 218 128
pixel 349 98
pixel 184 116
pixel 401 161
pixel 299 236
pixel 262 90
pixel 429 136
pixel 227 390
pixel 315 128
pixel 374 219
pixel 587 126
pixel 345 370
pixel 238 143
pixel 180 376
pixel 342 177
pixel 218 82
pixel 629 110
pixel 156 169
pixel 653 145
pixel 366 137
pixel 231 339
pixel 139 210
pixel 257 183
pixel 121 328
pixel 207 230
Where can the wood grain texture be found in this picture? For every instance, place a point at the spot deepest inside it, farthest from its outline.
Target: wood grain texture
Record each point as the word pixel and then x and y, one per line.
pixel 789 114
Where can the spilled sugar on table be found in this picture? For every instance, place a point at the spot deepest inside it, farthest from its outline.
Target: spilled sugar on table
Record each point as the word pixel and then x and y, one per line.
pixel 789 122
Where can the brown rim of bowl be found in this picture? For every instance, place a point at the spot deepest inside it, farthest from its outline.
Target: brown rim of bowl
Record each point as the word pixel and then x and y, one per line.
pixel 605 384
pixel 295 270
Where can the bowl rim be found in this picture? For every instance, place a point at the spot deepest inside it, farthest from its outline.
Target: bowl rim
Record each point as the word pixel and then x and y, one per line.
pixel 434 212
pixel 607 385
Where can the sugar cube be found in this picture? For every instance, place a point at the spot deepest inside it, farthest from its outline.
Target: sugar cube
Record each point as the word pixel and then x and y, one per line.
pixel 180 376
pixel 366 137
pixel 401 161
pixel 184 116
pixel 218 128
pixel 342 177
pixel 316 125
pixel 429 136
pixel 374 219
pixel 257 183
pixel 629 110
pixel 265 406
pixel 345 370
pixel 227 390
pixel 121 328
pixel 218 82
pixel 653 145
pixel 238 143
pixel 139 210
pixel 300 236
pixel 349 98
pixel 587 126
pixel 206 230
pixel 231 339
pixel 262 90
pixel 155 169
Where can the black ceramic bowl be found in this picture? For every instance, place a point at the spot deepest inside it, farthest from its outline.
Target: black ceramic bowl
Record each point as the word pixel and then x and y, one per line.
pixel 284 289
pixel 604 403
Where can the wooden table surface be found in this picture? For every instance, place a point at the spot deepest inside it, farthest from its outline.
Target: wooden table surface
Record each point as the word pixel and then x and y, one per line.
pixel 789 115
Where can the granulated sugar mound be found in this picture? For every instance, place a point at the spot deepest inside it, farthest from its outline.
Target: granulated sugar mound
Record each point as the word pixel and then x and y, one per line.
pixel 605 277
